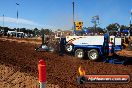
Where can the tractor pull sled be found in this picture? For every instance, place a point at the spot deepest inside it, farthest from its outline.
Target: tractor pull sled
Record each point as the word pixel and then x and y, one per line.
pixel 44 47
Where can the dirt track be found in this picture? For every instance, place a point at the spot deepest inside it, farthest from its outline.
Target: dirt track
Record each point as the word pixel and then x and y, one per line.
pixel 18 65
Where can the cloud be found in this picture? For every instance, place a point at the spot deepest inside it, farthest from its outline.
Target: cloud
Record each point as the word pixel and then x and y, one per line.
pixel 19 21
pixel 25 22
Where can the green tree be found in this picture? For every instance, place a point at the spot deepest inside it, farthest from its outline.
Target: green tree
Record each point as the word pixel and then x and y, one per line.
pixel 46 31
pixel 98 29
pixel 23 29
pixel 123 27
pixel 36 31
pixel 113 27
pixel 59 30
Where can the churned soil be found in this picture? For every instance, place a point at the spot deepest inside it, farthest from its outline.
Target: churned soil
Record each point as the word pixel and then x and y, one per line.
pixel 19 61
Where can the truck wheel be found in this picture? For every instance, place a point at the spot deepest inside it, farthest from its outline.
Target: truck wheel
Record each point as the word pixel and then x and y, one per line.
pixel 79 53
pixel 130 45
pixel 93 54
pixel 81 80
pixel 69 48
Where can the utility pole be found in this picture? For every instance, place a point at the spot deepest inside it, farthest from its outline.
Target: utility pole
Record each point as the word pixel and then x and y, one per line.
pixel 130 17
pixel 95 24
pixel 17 16
pixel 73 19
pixel 3 22
pixel 94 20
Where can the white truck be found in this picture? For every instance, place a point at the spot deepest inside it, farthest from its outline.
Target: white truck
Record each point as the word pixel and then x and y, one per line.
pixel 93 46
pixel 11 33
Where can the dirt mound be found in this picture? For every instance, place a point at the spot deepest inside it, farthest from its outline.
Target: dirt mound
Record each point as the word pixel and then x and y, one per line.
pixel 125 53
pixel 18 65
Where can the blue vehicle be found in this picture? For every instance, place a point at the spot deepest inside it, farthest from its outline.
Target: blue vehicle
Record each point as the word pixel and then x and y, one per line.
pixel 93 46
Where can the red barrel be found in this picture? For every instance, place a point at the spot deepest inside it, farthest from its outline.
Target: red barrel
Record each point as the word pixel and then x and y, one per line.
pixel 111 48
pixel 42 71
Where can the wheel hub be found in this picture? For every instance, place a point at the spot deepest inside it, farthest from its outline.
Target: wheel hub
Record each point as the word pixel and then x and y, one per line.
pixel 93 56
pixel 69 48
pixel 80 54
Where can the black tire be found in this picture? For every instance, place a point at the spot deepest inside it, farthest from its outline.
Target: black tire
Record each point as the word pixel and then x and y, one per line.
pixel 130 45
pixel 81 80
pixel 79 53
pixel 93 54
pixel 69 48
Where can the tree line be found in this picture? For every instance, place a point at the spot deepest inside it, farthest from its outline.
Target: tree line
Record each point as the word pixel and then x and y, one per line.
pixel 34 31
pixel 111 27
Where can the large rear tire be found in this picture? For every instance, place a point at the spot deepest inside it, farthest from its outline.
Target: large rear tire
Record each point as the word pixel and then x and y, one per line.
pixel 79 53
pixel 93 54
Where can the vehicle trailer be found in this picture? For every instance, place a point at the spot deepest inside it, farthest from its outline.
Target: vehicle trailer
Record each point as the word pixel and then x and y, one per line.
pixel 93 46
